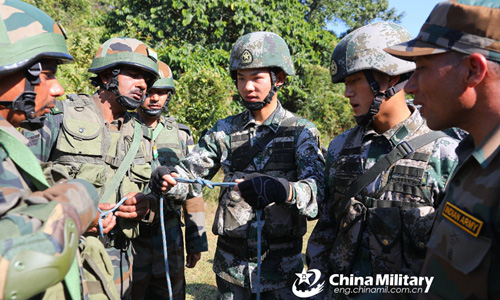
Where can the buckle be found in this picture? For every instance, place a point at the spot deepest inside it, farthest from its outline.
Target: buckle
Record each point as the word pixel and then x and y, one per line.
pixel 405 149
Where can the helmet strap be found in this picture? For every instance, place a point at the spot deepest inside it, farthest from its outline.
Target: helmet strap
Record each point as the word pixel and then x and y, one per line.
pixel 157 112
pixel 253 106
pixel 125 101
pixel 379 97
pixel 25 102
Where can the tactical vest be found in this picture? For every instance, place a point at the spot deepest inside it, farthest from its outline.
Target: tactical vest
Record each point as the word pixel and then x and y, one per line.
pixel 86 149
pixel 168 143
pixel 233 214
pixel 382 235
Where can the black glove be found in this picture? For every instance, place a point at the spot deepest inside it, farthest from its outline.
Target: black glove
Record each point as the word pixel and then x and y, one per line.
pixel 156 180
pixel 260 190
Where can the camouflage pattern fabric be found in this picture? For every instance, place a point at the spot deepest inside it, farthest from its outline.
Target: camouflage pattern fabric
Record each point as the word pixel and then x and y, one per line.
pixel 464 249
pixel 465 26
pixel 382 239
pixel 229 291
pixel 284 225
pixel 84 129
pixel 149 261
pixel 34 220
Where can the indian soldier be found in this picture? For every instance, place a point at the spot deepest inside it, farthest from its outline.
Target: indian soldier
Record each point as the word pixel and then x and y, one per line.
pixel 96 138
pixel 278 154
pixel 39 224
pixel 384 175
pixel 173 141
pixel 457 83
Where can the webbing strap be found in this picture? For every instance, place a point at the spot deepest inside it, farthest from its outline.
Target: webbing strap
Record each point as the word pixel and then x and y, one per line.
pixel 24 159
pixel 262 143
pixel 157 130
pixel 113 184
pixel 72 280
pixel 402 150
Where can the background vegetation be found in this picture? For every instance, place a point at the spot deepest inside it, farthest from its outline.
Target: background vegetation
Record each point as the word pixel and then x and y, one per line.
pixel 195 38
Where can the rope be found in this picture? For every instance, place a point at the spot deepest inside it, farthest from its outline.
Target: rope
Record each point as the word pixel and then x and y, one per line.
pixel 102 214
pixel 165 249
pixel 205 182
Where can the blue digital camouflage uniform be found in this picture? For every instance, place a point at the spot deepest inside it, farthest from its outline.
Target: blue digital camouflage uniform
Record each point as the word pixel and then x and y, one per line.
pixel 294 155
pixel 149 262
pixel 34 225
pixel 76 142
pixel 379 240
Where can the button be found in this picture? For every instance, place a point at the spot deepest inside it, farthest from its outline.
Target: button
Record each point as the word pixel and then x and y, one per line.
pixel 80 130
pixel 19 265
pixel 421 245
pixel 344 225
pixel 385 242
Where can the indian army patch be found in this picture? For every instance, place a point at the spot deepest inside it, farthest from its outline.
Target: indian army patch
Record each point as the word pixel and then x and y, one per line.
pixel 462 219
pixel 246 57
pixel 155 152
pixel 333 68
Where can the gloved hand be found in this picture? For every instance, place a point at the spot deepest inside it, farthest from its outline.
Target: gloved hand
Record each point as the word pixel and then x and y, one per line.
pixel 259 190
pixel 156 180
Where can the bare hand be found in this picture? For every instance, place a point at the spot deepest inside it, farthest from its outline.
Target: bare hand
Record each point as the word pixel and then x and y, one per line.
pixel 107 223
pixel 192 259
pixel 135 207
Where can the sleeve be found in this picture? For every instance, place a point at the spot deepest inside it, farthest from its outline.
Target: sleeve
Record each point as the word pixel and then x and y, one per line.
pixel 196 233
pixel 308 191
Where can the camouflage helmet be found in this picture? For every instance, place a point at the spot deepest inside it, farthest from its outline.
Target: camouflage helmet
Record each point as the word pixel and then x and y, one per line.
pixel 27 34
pixel 362 49
pixel 125 51
pixel 166 80
pixel 260 50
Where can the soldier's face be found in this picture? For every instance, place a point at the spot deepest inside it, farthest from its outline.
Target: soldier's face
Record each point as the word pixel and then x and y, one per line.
pixel 132 82
pixel 46 91
pixel 156 98
pixel 360 95
pixel 253 84
pixel 436 87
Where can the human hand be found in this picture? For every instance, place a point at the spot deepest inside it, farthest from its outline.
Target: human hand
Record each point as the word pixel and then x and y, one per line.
pixel 108 222
pixel 162 180
pixel 260 190
pixel 135 207
pixel 192 259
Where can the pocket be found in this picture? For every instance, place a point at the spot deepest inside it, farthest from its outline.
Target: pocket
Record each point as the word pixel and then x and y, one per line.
pixel 80 137
pixel 236 214
pixel 458 248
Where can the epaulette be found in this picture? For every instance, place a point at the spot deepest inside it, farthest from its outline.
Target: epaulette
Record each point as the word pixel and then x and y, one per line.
pixel 57 109
pixel 185 128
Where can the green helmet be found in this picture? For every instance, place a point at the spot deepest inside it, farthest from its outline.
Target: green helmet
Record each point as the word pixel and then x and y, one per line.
pixel 27 34
pixel 362 49
pixel 260 50
pixel 125 51
pixel 166 82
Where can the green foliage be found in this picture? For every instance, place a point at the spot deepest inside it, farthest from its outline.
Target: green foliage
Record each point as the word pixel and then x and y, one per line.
pixel 326 107
pixel 81 20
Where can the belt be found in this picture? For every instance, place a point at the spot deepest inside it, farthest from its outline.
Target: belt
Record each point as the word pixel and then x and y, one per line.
pixel 278 247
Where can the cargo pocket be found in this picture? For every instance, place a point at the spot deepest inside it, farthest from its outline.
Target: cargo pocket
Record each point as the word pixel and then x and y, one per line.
pixel 80 137
pixel 384 231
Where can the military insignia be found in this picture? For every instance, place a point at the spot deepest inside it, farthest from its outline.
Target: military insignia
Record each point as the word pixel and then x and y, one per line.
pixel 333 68
pixel 155 152
pixel 462 219
pixel 152 54
pixel 246 57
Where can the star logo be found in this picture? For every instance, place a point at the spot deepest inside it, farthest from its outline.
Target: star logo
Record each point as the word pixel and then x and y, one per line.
pixel 333 68
pixel 246 57
pixel 313 288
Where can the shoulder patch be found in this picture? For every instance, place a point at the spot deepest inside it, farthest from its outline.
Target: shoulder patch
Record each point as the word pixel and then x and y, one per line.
pixel 462 219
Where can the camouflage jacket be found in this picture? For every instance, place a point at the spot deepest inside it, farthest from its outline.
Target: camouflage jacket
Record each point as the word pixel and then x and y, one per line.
pixel 301 162
pixel 464 248
pixel 35 223
pixel 392 238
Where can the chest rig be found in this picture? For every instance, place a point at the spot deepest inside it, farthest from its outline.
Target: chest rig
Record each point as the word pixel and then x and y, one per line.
pixel 86 149
pixel 168 143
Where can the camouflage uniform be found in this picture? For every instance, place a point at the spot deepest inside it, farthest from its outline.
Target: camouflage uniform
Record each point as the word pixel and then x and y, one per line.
pixel 77 143
pixel 464 249
pixel 39 224
pixel 384 228
pixel 149 261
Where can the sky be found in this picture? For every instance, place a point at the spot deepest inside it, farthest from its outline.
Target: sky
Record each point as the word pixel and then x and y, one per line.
pixel 416 11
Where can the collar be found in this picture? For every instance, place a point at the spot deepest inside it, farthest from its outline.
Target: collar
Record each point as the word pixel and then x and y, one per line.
pixel 273 121
pixel 5 125
pixel 485 152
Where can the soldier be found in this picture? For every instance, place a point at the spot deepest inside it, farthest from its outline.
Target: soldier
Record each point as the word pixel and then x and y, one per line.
pixel 457 82
pixel 384 175
pixel 39 224
pixel 288 168
pixel 172 141
pixel 95 138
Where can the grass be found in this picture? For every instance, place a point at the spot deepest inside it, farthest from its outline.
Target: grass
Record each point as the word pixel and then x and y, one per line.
pixel 200 281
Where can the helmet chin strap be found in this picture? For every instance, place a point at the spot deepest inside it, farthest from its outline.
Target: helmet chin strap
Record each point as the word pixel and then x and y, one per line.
pixel 125 101
pixel 157 112
pixel 25 102
pixel 253 106
pixel 366 119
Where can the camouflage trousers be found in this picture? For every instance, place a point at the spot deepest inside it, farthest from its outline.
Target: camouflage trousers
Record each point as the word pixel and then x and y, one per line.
pixel 230 291
pixel 122 260
pixel 149 262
